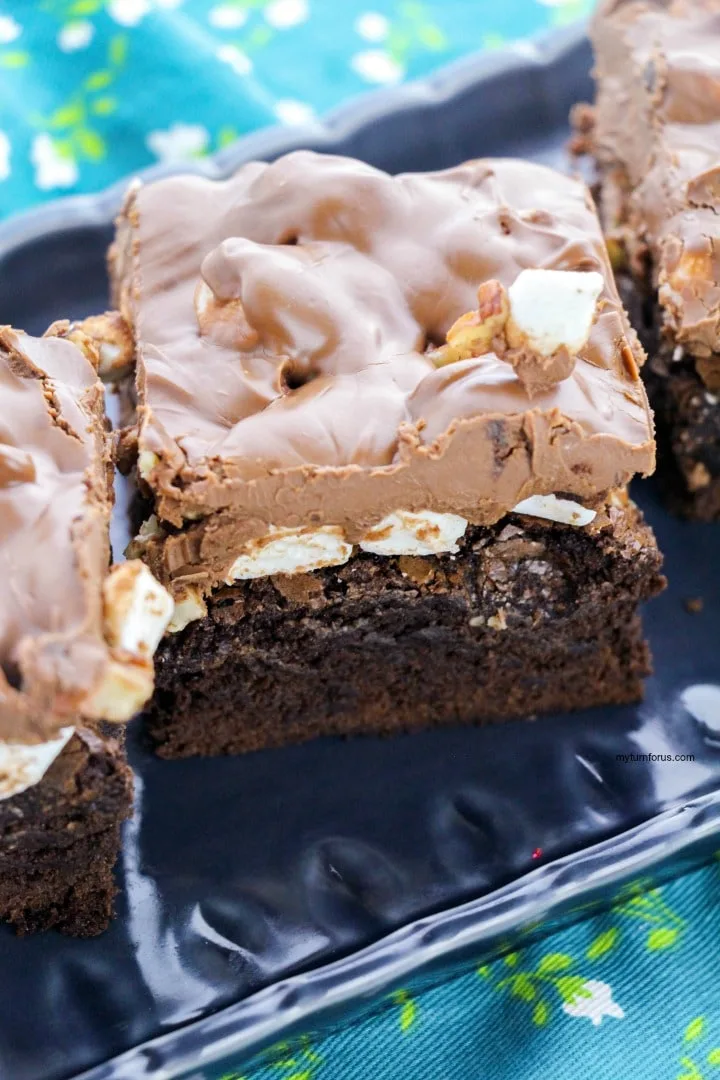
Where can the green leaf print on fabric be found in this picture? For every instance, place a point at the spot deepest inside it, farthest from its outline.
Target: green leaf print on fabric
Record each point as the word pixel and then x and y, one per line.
pixel 294 1060
pixel 412 30
pixel 534 985
pixel 695 1068
pixel 408 1009
pixel 549 983
pixel 694 1029
pixel 665 927
pixel 14 58
pixel 67 136
pixel 662 939
pixel 603 944
pixel 555 962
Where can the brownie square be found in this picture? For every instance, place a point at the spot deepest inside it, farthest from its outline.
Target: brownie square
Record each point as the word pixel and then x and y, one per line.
pixel 76 637
pixel 655 137
pixel 383 430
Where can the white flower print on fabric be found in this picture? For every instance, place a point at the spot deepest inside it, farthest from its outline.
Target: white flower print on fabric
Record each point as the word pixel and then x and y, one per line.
pixel 9 29
pixel 180 143
pixel 289 111
pixel 75 35
pixel 377 66
pixel 282 14
pixel 128 12
pixel 52 170
pixel 5 149
pixel 594 1001
pixel 227 17
pixel 236 58
pixel 372 26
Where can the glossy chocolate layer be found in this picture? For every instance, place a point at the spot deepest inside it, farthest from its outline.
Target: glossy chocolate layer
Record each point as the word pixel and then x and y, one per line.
pixel 55 501
pixel 282 320
pixel 657 134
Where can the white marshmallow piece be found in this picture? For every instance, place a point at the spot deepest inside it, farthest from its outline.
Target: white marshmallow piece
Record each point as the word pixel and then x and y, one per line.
pixel 291 551
pixel 406 533
pixel 564 511
pixel 124 689
pixel 552 308
pixel 22 765
pixel 187 610
pixel 137 609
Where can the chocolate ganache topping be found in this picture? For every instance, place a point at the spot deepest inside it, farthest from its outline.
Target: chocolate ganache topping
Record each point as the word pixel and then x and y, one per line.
pixel 286 324
pixel 54 510
pixel 77 636
pixel 658 127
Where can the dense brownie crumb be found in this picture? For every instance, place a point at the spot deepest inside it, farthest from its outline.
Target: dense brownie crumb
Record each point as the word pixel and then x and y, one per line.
pixel 59 840
pixel 529 617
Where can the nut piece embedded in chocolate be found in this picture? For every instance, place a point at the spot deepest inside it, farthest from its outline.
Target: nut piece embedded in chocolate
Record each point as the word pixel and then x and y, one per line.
pixel 538 325
pixel 473 333
pixel 106 340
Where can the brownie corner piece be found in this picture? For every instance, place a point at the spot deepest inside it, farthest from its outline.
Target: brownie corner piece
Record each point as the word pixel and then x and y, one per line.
pixel 76 635
pixel 59 840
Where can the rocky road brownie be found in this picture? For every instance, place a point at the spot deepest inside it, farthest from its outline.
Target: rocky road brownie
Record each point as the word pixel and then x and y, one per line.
pixel 76 638
pixel 383 430
pixel 655 134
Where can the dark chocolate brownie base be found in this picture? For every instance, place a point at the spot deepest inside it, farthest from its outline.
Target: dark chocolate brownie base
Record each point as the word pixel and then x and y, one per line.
pixel 59 840
pixel 529 617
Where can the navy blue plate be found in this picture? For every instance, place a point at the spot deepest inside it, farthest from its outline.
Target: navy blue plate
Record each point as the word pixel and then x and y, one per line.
pixel 270 891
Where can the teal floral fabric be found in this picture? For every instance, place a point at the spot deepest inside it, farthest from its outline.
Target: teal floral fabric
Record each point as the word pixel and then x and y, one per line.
pixel 91 90
pixel 631 994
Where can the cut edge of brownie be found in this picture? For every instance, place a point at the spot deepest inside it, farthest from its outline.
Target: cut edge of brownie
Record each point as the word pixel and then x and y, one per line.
pixel 529 617
pixel 59 840
pixel 683 390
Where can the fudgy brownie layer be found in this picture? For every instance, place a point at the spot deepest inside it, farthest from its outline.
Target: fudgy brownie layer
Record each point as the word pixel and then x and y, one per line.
pixel 71 890
pixel 528 617
pixel 59 840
